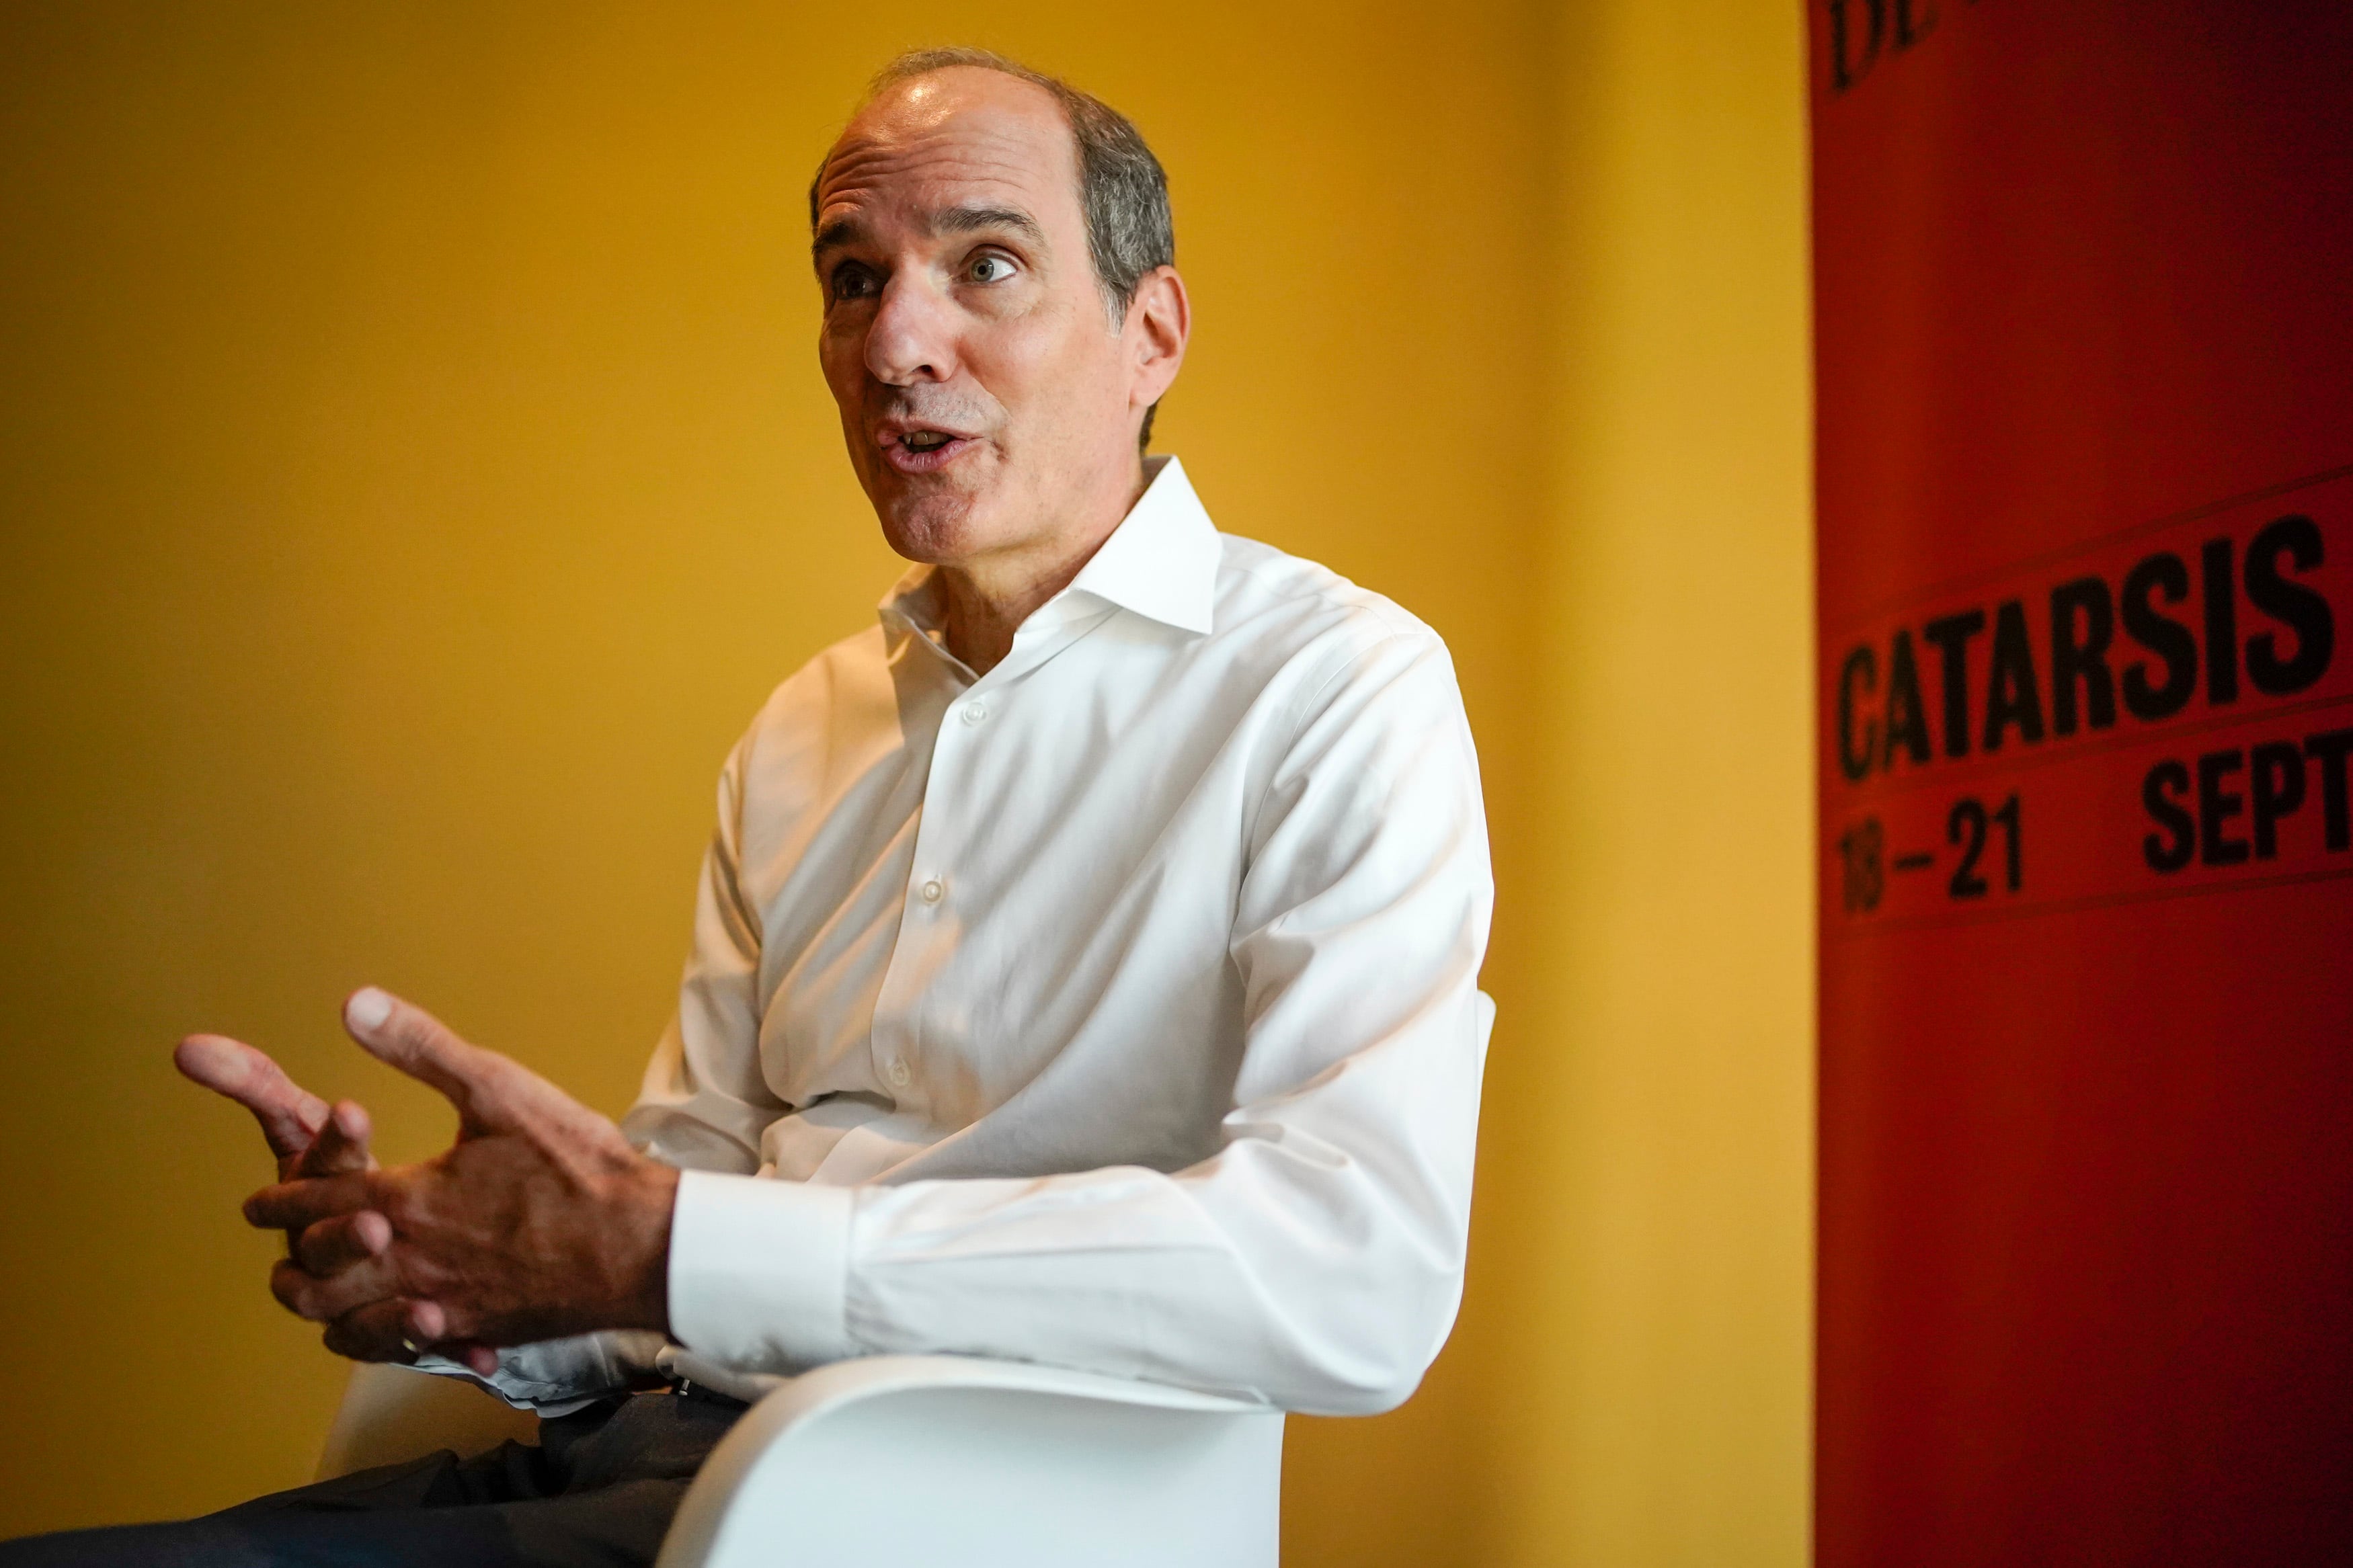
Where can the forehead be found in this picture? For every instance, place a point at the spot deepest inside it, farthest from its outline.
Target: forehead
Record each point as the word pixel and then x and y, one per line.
pixel 953 138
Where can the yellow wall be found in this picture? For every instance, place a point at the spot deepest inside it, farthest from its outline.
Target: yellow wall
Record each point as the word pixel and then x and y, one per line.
pixel 1667 1312
pixel 415 470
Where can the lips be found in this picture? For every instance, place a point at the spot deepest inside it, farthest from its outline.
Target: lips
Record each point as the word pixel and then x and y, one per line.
pixel 922 448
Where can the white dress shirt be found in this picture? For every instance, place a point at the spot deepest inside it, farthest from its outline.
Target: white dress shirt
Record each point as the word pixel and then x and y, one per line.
pixel 1114 1009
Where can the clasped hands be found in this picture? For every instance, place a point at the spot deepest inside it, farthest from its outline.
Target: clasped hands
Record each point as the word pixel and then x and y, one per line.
pixel 538 1221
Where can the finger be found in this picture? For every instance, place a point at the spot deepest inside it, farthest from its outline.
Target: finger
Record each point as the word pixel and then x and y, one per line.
pixel 300 1204
pixel 429 1325
pixel 378 1330
pixel 290 1115
pixel 428 1322
pixel 493 1093
pixel 332 1246
pixel 398 1329
pixel 434 1325
pixel 408 1038
pixel 323 1300
pixel 341 1146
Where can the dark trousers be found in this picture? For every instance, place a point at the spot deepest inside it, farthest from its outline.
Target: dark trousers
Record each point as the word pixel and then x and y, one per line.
pixel 600 1488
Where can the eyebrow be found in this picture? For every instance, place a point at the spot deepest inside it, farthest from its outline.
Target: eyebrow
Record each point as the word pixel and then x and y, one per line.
pixel 970 219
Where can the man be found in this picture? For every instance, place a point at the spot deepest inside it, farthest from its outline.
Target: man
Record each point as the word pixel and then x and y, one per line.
pixel 1084 965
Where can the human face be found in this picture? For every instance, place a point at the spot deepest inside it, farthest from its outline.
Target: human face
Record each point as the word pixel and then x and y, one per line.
pixel 989 403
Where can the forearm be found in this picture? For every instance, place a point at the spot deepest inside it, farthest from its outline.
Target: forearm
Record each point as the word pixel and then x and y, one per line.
pixel 1297 1286
pixel 1314 1263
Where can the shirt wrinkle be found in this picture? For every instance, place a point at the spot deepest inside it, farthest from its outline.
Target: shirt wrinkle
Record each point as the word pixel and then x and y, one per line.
pixel 1051 1039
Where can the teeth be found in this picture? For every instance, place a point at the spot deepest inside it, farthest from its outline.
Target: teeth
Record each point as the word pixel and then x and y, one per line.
pixel 924 440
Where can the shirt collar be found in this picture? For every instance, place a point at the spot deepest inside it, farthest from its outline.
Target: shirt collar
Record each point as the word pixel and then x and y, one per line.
pixel 1161 562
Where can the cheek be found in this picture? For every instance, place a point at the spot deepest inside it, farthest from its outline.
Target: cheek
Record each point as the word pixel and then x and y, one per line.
pixel 839 358
pixel 1009 361
pixel 1052 372
pixel 841 363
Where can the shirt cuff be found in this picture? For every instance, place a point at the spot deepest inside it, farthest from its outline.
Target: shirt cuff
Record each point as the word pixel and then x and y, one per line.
pixel 758 1269
pixel 556 1377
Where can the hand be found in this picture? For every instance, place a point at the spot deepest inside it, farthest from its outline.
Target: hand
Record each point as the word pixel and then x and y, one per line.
pixel 306 1136
pixel 541 1221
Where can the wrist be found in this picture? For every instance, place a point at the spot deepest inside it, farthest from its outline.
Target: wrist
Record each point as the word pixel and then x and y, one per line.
pixel 649 1199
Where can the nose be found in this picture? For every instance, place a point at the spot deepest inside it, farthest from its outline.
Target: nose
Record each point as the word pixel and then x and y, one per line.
pixel 912 336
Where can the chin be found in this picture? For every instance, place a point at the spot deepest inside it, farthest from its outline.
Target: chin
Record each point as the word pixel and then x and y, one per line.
pixel 938 529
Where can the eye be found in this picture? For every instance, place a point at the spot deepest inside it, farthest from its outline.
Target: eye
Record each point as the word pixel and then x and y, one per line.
pixel 850 281
pixel 989 270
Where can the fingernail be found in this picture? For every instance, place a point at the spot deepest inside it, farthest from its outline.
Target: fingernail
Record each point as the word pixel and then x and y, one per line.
pixel 367 1008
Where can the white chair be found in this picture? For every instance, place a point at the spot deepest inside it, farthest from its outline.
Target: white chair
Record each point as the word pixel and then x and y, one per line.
pixel 925 1461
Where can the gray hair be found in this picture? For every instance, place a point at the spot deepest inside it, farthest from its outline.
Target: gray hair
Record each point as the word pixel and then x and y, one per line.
pixel 1122 191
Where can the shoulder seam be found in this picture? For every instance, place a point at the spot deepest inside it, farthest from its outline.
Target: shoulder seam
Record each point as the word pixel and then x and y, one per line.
pixel 1395 618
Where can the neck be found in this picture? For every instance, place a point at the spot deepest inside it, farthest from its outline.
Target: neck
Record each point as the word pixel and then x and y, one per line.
pixel 987 599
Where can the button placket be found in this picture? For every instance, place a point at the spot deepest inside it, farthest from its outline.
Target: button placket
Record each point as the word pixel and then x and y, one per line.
pixel 974 707
pixel 924 897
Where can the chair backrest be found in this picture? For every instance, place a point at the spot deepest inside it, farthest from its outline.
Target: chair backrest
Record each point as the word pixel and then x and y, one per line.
pixel 924 1460
pixel 918 1461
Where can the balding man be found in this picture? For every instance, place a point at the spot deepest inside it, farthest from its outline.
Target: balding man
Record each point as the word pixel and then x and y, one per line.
pixel 1084 965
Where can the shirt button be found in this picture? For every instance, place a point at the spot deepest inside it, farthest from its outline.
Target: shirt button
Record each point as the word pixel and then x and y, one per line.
pixel 897 1073
pixel 974 712
pixel 934 890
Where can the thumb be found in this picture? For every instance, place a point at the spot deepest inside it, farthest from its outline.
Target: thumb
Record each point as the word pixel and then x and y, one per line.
pixel 411 1040
pixel 492 1093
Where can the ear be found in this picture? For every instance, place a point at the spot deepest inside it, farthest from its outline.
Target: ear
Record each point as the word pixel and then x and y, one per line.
pixel 1159 321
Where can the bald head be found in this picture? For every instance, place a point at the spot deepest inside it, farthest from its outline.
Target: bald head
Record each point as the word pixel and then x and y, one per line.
pixel 1123 190
pixel 996 383
pixel 961 130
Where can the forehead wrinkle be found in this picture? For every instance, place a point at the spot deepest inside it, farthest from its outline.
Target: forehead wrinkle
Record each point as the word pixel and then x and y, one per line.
pixel 955 148
pixel 965 217
pixel 925 167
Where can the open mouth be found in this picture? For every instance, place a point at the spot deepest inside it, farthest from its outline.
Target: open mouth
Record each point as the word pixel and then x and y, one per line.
pixel 924 451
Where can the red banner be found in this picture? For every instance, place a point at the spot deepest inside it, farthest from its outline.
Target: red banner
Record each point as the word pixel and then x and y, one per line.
pixel 2085 343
